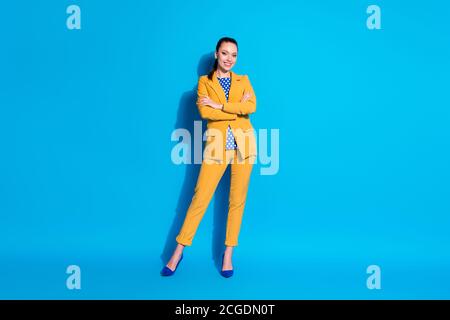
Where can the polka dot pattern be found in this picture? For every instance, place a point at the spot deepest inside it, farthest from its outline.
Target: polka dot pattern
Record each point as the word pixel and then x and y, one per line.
pixel 231 142
pixel 226 84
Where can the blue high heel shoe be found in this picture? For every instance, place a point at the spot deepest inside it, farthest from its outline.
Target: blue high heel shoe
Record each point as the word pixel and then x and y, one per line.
pixel 226 273
pixel 166 270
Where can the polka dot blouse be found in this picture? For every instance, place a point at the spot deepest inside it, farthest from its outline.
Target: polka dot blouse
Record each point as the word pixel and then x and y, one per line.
pixel 231 142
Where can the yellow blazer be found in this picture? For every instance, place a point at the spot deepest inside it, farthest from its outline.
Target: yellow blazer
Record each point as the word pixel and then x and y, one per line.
pixel 234 114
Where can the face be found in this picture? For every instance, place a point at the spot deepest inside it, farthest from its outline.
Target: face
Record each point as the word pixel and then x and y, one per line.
pixel 226 56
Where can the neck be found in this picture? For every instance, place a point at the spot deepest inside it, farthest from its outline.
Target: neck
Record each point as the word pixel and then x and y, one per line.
pixel 222 74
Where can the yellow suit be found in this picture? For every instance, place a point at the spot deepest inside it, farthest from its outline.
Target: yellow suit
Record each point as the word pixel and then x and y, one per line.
pixel 216 158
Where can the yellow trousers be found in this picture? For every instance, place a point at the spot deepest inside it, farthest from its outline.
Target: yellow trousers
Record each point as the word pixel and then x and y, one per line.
pixel 211 172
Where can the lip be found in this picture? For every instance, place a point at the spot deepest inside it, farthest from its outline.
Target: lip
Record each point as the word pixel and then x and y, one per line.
pixel 227 64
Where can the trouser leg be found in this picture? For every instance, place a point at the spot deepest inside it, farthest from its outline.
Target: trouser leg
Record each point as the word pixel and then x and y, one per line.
pixel 208 179
pixel 240 178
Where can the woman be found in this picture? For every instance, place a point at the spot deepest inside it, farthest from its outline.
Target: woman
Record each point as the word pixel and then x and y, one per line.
pixel 225 99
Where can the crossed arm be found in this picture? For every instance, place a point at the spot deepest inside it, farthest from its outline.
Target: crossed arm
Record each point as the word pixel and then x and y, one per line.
pixel 229 110
pixel 247 104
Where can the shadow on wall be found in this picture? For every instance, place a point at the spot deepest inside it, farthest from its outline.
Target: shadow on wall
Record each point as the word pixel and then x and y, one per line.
pixel 187 114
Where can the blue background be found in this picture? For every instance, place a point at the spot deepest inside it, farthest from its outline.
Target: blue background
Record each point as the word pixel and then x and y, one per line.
pixel 86 175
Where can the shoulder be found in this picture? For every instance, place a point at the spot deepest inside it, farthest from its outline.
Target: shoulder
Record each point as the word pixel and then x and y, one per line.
pixel 245 78
pixel 239 76
pixel 203 78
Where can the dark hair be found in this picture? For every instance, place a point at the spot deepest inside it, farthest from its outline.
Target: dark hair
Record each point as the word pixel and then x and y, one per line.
pixel 219 43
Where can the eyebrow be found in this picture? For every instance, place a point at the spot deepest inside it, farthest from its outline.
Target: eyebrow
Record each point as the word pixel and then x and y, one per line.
pixel 227 51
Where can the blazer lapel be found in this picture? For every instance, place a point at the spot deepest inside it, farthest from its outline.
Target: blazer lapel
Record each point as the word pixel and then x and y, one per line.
pixel 234 88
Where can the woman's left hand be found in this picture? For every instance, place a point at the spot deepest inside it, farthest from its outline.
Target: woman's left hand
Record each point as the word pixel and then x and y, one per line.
pixel 205 100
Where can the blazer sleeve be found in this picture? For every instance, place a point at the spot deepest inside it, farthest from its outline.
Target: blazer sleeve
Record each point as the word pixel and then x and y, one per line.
pixel 242 107
pixel 207 112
